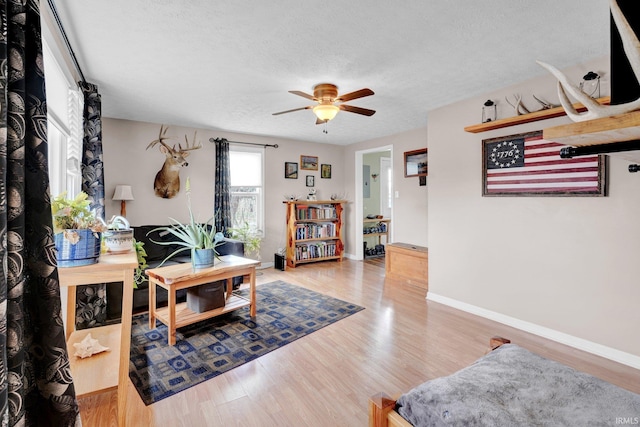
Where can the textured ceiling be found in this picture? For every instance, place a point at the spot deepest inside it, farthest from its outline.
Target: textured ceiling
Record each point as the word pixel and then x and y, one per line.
pixel 227 65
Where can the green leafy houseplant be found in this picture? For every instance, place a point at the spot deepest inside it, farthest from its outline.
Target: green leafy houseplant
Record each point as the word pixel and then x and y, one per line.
pixel 74 214
pixel 138 275
pixel 191 235
pixel 249 236
pixel 77 231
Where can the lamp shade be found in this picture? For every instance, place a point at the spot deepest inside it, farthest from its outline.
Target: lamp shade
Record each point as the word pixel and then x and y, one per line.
pixel 325 111
pixel 123 192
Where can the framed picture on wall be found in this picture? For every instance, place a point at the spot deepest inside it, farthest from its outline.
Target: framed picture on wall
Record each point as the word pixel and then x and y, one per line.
pixel 526 164
pixel 310 180
pixel 291 170
pixel 325 171
pixel 309 163
pixel 415 163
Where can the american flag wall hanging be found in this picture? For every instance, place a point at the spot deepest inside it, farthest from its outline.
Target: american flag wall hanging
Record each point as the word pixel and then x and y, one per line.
pixel 528 165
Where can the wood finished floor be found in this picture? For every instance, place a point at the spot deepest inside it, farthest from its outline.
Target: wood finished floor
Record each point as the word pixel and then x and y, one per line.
pixel 325 379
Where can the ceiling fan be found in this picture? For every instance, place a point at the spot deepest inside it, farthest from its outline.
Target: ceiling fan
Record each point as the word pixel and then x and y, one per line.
pixel 326 95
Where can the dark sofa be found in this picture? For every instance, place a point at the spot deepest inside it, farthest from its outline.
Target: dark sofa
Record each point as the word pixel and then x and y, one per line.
pixel 156 253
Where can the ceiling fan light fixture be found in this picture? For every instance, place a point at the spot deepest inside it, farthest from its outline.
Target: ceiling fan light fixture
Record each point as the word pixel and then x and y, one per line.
pixel 325 112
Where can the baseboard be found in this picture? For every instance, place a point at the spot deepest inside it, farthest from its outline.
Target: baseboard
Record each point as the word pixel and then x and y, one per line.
pixel 264 265
pixel 570 340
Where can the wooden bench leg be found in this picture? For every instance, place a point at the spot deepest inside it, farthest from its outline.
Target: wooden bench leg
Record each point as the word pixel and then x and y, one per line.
pixel 496 342
pixel 379 407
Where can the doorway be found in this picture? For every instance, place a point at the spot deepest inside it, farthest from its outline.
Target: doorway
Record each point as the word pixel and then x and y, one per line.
pixel 386 177
pixel 374 190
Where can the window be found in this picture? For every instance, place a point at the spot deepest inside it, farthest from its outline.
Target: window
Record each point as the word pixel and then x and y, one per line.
pixel 247 196
pixel 64 128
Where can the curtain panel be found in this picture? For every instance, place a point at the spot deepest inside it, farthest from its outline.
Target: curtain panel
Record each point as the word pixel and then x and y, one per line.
pixel 36 388
pixel 92 299
pixel 222 198
pixel 92 167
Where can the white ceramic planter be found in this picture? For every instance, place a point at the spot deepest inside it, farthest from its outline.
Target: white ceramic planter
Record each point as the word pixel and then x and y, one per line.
pixel 119 238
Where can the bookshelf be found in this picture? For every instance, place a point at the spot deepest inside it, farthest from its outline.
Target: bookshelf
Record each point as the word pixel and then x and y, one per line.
pixel 314 231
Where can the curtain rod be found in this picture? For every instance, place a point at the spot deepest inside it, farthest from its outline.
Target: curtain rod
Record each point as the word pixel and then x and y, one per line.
pixel 246 143
pixel 66 40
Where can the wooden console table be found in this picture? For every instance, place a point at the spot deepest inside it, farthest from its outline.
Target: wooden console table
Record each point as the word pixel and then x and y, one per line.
pixel 108 370
pixel 182 276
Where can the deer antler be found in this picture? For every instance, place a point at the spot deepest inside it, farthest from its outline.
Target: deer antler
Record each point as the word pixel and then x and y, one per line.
pixel 631 47
pixel 545 105
pixel 519 106
pixel 161 138
pixel 192 147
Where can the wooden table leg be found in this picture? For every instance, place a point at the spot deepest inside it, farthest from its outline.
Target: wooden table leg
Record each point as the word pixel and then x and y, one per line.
pixel 152 303
pixel 125 341
pixel 252 291
pixel 71 310
pixel 171 327
pixel 229 287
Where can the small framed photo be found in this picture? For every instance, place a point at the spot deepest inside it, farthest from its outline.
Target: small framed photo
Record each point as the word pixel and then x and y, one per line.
pixel 309 163
pixel 291 170
pixel 325 171
pixel 311 180
pixel 415 163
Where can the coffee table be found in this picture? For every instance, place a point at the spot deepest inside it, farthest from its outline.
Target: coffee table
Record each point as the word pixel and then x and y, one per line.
pixel 182 276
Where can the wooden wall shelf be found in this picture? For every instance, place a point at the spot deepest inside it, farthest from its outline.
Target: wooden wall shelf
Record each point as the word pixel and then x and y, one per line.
pixel 606 130
pixel 528 118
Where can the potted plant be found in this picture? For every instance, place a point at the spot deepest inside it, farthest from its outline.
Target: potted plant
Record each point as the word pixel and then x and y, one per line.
pixel 138 276
pixel 119 235
pixel 200 238
pixel 250 237
pixel 77 230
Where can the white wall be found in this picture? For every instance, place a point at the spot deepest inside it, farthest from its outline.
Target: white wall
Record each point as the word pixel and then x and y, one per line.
pixel 409 223
pixel 127 161
pixel 569 264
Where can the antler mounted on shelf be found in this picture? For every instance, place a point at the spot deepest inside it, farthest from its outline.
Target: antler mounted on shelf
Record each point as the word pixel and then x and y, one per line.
pixel 595 110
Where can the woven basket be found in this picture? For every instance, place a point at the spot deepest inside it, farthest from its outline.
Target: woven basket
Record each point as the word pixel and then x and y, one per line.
pixel 84 252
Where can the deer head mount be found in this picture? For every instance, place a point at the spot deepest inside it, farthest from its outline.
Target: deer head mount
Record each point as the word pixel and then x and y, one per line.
pixel 167 181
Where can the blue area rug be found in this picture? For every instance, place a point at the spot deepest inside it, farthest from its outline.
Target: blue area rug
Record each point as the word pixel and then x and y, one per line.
pixel 209 348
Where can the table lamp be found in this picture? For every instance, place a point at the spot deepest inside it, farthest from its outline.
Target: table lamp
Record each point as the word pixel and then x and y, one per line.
pixel 123 193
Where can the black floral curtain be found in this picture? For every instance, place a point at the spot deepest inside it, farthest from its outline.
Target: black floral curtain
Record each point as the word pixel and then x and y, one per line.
pixel 222 201
pixel 36 387
pixel 92 167
pixel 92 299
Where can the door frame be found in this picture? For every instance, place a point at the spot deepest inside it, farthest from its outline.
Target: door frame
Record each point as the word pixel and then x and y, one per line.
pixel 359 252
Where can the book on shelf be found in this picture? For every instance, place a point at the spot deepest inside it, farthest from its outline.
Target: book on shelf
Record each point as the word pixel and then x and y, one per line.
pixel 315 231
pixel 315 250
pixel 313 212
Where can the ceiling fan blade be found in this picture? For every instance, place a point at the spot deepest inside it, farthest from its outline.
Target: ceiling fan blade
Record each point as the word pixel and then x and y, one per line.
pixel 308 107
pixel 354 95
pixel 357 110
pixel 302 94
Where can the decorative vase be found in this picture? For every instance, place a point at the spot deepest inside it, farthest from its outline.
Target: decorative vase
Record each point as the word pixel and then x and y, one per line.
pixel 202 258
pixel 77 247
pixel 119 237
pixel 119 241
